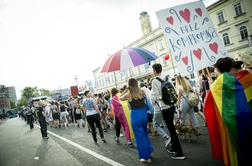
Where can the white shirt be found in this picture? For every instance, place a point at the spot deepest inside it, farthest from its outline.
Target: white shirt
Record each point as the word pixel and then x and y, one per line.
pixel 156 95
pixel 147 92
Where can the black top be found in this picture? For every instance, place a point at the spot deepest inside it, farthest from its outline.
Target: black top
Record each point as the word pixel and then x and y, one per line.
pixel 62 108
pixel 137 103
pixel 40 114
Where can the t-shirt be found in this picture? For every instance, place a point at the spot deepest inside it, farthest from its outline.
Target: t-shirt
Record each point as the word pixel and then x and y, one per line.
pixel 40 114
pixel 62 108
pixel 89 105
pixel 53 108
pixel 77 111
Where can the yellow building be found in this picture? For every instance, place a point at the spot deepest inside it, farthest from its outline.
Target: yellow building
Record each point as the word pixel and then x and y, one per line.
pixel 232 19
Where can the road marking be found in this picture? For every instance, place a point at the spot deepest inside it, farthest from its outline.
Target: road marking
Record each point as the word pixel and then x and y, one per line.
pixel 101 157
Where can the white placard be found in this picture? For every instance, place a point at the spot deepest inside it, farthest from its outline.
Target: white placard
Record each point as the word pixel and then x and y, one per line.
pixel 191 37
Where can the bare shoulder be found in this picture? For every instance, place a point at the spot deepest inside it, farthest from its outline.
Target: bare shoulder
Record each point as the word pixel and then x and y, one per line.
pixel 142 93
pixel 125 96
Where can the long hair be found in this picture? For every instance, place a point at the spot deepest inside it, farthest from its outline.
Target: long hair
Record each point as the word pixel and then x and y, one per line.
pixel 134 89
pixel 183 83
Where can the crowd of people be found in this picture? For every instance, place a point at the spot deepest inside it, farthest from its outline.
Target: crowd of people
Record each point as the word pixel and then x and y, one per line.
pixel 154 104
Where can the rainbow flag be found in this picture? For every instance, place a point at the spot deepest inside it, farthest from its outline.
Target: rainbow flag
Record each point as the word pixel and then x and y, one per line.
pixel 245 79
pixel 229 121
pixel 126 111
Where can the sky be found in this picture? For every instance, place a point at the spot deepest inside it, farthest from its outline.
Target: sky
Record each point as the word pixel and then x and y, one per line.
pixel 45 43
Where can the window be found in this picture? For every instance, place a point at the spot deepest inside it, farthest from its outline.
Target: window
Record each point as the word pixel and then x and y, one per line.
pixel 243 32
pixel 107 80
pixel 96 84
pixel 221 17
pixel 160 43
pixel 226 39
pixel 238 9
pixel 146 66
pixel 123 74
pixel 112 78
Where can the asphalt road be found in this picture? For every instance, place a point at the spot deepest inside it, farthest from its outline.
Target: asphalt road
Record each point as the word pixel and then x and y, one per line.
pixel 20 146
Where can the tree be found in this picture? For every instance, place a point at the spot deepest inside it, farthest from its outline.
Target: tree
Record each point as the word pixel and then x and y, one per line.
pixel 22 102
pixel 44 92
pixel 29 92
pixel 13 104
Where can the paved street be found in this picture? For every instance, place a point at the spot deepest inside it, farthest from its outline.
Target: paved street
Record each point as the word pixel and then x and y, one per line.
pixel 20 146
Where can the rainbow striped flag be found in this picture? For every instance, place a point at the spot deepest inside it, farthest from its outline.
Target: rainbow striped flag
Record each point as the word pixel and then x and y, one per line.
pixel 245 79
pixel 229 121
pixel 126 111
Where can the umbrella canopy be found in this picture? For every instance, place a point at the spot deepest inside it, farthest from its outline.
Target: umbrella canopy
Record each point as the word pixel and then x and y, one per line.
pixel 127 58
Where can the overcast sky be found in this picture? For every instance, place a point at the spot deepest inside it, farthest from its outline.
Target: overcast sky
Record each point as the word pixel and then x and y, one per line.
pixel 45 43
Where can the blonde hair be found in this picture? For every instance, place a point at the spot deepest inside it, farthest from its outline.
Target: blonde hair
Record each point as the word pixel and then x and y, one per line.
pixel 182 82
pixel 135 91
pixel 246 59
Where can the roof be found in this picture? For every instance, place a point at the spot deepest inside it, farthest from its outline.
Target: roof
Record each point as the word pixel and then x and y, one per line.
pixel 216 4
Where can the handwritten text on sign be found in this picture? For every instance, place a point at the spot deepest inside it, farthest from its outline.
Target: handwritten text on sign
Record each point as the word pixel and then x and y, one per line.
pixel 191 36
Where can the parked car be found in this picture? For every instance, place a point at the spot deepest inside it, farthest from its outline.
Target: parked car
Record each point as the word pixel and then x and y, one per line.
pixel 12 113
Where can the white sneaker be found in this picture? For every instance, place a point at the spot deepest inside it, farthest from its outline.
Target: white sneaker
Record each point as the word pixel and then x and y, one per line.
pixel 167 142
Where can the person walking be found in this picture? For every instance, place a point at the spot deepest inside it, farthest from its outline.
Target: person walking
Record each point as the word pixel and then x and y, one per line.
pixel 119 117
pixel 228 117
pixel 63 114
pixel 30 118
pixel 139 119
pixel 42 120
pixel 103 107
pixel 167 112
pixel 93 115
pixel 184 88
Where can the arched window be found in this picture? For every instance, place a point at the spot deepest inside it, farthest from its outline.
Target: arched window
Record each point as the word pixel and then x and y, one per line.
pixel 243 32
pixel 226 39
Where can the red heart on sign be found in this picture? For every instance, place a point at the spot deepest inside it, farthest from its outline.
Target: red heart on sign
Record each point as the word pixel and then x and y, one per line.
pixel 170 20
pixel 198 11
pixel 197 53
pixel 185 14
pixel 214 47
pixel 185 60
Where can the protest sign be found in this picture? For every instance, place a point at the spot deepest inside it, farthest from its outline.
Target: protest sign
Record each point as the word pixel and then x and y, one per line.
pixel 191 37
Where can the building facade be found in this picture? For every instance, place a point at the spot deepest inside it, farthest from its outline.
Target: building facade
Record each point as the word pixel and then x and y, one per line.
pixel 4 99
pixel 231 18
pixel 233 21
pixel 11 90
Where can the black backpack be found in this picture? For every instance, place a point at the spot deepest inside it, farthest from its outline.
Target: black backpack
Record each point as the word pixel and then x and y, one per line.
pixel 169 95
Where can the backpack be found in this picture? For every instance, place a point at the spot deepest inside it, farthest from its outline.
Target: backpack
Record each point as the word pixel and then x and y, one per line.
pixel 169 95
pixel 193 99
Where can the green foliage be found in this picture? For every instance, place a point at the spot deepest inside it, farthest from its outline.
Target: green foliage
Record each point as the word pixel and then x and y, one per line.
pixel 44 92
pixel 30 92
pixel 13 104
pixel 22 102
